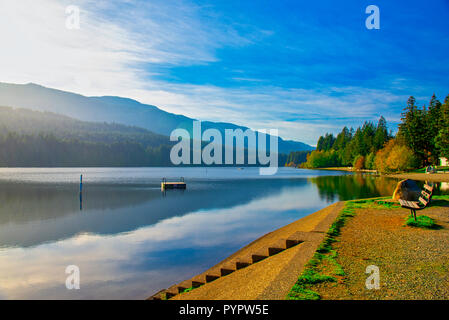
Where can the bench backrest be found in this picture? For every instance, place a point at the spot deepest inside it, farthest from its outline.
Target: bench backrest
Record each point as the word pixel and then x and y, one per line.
pixel 427 193
pixel 423 201
pixel 429 188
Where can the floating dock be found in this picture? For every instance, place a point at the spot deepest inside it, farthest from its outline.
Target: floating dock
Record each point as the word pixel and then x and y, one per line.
pixel 173 184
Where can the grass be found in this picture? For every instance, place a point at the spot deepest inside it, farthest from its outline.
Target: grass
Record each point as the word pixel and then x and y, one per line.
pixel 188 290
pixel 324 266
pixel 421 222
pixel 440 197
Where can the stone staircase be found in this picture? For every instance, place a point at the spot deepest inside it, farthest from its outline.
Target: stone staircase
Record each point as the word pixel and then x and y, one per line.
pixel 237 262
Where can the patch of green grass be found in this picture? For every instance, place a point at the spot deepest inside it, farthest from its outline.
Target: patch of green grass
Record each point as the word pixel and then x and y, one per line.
pixel 311 276
pixel 388 204
pixel 332 259
pixel 441 197
pixel 313 272
pixel 188 289
pixel 298 292
pixel 421 222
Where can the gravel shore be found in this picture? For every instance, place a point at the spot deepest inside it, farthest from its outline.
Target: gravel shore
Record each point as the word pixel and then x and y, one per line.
pixel 413 262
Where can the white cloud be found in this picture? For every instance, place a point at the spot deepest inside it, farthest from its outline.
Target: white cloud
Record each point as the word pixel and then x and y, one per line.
pixel 120 43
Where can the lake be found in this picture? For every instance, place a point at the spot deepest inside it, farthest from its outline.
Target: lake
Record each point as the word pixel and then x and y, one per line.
pixel 130 240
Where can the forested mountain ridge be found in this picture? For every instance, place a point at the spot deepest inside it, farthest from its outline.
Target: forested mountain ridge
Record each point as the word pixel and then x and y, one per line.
pixel 28 122
pixel 113 109
pixel 44 139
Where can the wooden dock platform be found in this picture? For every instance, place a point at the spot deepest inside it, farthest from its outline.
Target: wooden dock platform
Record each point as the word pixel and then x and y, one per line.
pixel 173 184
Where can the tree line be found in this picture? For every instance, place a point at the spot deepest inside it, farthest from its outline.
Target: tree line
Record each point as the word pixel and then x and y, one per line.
pixel 44 139
pixel 423 137
pixel 350 146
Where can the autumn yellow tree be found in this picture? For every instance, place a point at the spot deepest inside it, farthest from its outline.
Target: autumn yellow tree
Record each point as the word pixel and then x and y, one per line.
pixel 395 156
pixel 359 163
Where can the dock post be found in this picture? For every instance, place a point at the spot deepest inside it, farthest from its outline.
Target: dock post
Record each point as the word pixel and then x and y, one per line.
pixel 81 192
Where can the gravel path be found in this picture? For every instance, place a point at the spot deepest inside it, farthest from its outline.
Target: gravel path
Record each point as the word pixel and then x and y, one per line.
pixel 433 177
pixel 413 263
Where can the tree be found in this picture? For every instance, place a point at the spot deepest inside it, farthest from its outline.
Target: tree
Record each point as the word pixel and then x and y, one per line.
pixel 369 161
pixel 325 143
pixel 394 157
pixel 381 135
pixel 442 139
pixel 343 139
pixel 434 125
pixel 412 130
pixel 359 163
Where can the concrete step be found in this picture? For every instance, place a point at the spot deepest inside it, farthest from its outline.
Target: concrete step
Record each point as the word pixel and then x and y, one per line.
pixel 227 268
pixel 277 247
pixel 158 295
pixel 173 290
pixel 196 283
pixel 241 262
pixel 184 285
pixel 301 236
pixel 259 255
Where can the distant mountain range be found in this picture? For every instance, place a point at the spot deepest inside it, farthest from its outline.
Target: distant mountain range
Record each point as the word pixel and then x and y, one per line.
pixel 113 109
pixel 29 122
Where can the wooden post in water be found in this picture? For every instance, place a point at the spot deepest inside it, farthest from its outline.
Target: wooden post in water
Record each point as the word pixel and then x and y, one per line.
pixel 81 192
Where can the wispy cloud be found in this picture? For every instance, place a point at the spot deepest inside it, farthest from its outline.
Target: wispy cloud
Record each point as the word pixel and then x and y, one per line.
pixel 122 47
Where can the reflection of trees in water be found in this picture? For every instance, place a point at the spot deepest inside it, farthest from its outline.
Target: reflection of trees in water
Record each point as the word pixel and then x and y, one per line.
pixel 347 187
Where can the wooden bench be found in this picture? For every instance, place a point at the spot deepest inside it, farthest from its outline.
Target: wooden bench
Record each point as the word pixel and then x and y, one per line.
pixel 424 200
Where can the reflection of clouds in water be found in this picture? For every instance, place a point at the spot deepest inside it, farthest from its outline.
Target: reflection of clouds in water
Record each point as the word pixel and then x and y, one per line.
pixel 111 263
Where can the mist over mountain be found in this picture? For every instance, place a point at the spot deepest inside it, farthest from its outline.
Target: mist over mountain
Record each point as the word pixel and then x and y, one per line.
pixel 113 109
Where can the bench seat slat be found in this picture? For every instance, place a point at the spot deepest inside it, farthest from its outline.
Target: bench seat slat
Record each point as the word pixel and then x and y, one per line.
pixel 409 204
pixel 428 187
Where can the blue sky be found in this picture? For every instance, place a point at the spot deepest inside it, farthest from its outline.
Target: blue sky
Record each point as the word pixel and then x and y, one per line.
pixel 303 67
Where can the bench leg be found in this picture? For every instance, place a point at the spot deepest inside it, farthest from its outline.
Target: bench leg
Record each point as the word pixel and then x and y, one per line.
pixel 414 213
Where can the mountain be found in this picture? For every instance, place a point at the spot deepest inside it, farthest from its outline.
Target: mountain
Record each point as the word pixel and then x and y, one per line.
pixel 28 122
pixel 112 109
pixel 44 139
pixel 30 138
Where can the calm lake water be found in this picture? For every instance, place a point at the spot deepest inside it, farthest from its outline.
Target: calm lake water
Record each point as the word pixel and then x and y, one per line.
pixel 130 240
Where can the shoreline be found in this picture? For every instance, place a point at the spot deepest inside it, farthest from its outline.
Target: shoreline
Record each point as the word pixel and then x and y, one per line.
pixel 431 177
pixel 274 277
pixel 265 274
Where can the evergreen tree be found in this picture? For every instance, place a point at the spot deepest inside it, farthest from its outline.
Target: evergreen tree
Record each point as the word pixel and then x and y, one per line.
pixel 442 139
pixel 381 136
pixel 413 130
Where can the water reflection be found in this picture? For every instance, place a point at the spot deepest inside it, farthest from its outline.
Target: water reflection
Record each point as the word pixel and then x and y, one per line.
pixel 130 240
pixel 52 212
pixel 353 187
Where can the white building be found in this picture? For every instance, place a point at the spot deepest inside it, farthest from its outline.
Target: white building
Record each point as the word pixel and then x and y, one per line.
pixel 444 162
